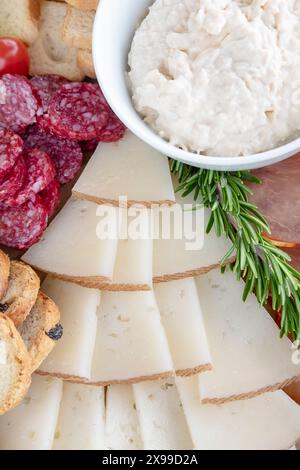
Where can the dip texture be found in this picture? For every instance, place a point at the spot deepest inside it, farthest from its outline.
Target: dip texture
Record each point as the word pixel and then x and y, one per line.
pixel 219 77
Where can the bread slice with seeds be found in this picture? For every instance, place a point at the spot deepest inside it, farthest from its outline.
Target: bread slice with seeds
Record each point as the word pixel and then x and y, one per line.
pixel 41 329
pixel 20 18
pixel 4 273
pixel 15 373
pixel 22 292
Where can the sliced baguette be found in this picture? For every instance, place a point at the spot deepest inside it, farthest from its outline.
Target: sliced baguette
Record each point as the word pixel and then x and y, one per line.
pixel 49 54
pixel 84 4
pixel 20 18
pixel 85 62
pixel 4 274
pixel 42 321
pixel 22 292
pixel 78 27
pixel 14 366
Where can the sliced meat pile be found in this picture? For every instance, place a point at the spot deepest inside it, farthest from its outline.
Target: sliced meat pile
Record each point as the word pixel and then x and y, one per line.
pixel 46 123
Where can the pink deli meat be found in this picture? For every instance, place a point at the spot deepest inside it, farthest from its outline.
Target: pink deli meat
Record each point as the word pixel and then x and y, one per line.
pixel 46 86
pixel 13 182
pixel 50 197
pixel 11 146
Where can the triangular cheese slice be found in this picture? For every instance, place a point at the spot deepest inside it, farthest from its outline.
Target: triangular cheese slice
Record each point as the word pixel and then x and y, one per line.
pixel 247 353
pixel 131 345
pixel 31 426
pixel 72 356
pixel 128 168
pixel 182 319
pixel 122 430
pixel 80 423
pixel 268 422
pixel 71 248
pixel 161 416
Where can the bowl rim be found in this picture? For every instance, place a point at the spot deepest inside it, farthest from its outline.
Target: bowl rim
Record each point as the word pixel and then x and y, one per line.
pixel 148 135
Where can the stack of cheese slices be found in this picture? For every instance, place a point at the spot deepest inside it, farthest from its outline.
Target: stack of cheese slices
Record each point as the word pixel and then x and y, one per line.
pixel 159 351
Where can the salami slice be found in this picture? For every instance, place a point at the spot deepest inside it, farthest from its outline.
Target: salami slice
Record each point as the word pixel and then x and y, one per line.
pixel 22 226
pixel 11 146
pixel 113 131
pixel 50 196
pixel 278 198
pixel 89 146
pixel 46 86
pixel 66 154
pixel 40 172
pixel 13 182
pixel 79 110
pixel 18 103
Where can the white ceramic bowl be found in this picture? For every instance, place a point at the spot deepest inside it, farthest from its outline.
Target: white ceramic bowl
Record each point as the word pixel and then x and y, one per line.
pixel 114 27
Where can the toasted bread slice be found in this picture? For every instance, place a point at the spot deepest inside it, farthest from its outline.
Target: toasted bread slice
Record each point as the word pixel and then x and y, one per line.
pixel 84 4
pixel 49 54
pixel 41 329
pixel 78 28
pixel 22 292
pixel 20 18
pixel 85 63
pixel 4 274
pixel 15 374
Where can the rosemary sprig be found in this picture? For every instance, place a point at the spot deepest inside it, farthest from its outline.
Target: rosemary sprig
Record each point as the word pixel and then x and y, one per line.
pixel 264 268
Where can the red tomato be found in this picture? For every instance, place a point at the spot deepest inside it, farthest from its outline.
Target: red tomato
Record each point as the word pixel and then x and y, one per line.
pixel 14 56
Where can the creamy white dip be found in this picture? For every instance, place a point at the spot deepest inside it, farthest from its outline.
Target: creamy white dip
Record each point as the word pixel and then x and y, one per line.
pixel 219 77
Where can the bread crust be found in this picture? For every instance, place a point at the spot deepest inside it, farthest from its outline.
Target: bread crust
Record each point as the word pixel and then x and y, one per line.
pixel 4 273
pixel 84 4
pixel 34 8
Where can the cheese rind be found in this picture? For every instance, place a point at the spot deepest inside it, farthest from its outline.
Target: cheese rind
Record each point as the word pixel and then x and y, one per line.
pixel 72 356
pixel 131 344
pixel 122 430
pixel 80 423
pixel 248 355
pixel 267 422
pixel 71 246
pixel 128 168
pixel 31 426
pixel 161 416
pixel 182 319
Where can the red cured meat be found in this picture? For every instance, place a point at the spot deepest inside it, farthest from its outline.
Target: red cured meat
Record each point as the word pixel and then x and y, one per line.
pixel 11 146
pixel 18 103
pixel 113 131
pixel 40 172
pixel 50 196
pixel 22 226
pixel 13 182
pixel 89 146
pixel 66 154
pixel 79 111
pixel 46 86
pixel 294 253
pixel 278 198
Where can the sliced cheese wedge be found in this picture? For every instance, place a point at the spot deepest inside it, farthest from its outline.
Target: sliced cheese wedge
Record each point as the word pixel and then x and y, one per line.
pixel 173 258
pixel 128 168
pixel 72 356
pixel 131 345
pixel 81 419
pixel 248 355
pixel 122 430
pixel 162 420
pixel 71 249
pixel 268 422
pixel 31 426
pixel 182 319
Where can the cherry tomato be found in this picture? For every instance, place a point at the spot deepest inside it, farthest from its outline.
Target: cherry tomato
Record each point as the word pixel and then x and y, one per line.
pixel 14 56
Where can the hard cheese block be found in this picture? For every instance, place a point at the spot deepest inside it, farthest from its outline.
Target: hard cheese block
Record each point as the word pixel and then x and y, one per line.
pixel 131 344
pixel 182 319
pixel 72 356
pixel 247 353
pixel 80 423
pixel 31 426
pixel 268 422
pixel 122 430
pixel 161 416
pixel 128 168
pixel 71 247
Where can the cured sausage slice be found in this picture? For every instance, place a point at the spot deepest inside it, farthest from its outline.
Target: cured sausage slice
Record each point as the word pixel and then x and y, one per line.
pixel 46 86
pixel 278 198
pixel 13 182
pixel 66 154
pixel 11 146
pixel 19 105
pixel 50 196
pixel 113 131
